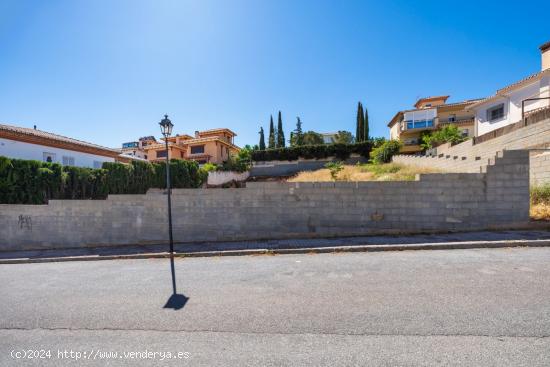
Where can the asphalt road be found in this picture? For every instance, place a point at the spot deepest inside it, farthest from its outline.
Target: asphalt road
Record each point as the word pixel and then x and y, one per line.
pixel 487 307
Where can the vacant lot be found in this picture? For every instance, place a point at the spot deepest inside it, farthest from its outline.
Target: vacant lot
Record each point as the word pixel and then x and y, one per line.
pixel 540 195
pixel 364 172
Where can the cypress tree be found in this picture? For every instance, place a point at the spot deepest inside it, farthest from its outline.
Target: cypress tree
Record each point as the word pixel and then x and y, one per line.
pixel 366 125
pixel 262 139
pixel 280 133
pixel 271 142
pixel 297 137
pixel 360 125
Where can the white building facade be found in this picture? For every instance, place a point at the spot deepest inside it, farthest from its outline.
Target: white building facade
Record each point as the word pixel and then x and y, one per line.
pixel 507 105
pixel 21 150
pixel 32 144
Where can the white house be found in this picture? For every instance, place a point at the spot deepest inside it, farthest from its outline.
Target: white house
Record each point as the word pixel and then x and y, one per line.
pixel 505 106
pixel 26 143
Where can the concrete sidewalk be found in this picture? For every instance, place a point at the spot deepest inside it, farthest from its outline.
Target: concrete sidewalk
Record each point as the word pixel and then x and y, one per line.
pixel 462 240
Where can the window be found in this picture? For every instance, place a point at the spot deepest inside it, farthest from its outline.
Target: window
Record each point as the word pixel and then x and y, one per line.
pixel 68 161
pixel 419 124
pixel 496 112
pixel 98 164
pixel 133 144
pixel 428 105
pixel 452 118
pixel 197 149
pixel 465 132
pixel 161 153
pixel 48 157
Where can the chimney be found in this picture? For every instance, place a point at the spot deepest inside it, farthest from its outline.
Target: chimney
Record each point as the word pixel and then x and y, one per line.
pixel 196 134
pixel 545 55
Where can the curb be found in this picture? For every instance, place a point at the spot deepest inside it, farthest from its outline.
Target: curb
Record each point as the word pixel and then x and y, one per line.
pixel 304 250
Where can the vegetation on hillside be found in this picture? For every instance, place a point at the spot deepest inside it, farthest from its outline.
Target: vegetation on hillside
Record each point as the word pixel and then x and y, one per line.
pixel 362 172
pixel 447 134
pixel 540 202
pixel 385 151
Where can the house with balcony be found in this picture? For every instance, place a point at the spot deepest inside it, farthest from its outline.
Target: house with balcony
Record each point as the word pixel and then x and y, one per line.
pixel 515 101
pixel 208 146
pixel 137 148
pixel 430 113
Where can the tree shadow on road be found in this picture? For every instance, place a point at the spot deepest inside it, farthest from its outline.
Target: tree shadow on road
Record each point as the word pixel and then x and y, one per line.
pixel 176 301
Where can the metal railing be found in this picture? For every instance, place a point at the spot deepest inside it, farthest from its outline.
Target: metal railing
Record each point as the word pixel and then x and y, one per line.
pixel 535 110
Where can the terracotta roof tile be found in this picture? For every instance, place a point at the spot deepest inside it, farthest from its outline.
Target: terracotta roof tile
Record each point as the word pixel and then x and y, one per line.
pixel 55 137
pixel 530 77
pixel 513 86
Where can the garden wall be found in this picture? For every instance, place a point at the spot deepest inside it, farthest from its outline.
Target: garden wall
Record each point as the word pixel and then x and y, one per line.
pixel 467 157
pixel 217 178
pixel 435 202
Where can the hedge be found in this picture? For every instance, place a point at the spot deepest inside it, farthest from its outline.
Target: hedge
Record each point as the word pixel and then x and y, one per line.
pixel 385 152
pixel 35 182
pixel 340 151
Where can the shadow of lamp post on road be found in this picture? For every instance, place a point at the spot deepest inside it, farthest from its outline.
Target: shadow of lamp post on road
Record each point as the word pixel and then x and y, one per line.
pixel 176 301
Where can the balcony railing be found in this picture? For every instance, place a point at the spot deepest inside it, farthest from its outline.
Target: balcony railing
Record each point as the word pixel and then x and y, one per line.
pixel 457 122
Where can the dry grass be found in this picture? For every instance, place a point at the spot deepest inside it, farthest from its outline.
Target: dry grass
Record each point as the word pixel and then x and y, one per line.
pixel 540 211
pixel 540 202
pixel 365 172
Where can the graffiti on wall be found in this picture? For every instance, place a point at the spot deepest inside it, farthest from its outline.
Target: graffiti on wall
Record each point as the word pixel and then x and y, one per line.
pixel 25 222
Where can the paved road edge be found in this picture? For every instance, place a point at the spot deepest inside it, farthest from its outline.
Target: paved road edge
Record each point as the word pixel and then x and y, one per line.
pixel 305 250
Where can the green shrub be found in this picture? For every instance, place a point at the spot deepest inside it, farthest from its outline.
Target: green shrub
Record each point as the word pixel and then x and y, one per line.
pixel 320 151
pixel 376 142
pixel 183 174
pixel 209 167
pixel 540 194
pixel 334 168
pixel 385 152
pixel 35 182
pixel 448 134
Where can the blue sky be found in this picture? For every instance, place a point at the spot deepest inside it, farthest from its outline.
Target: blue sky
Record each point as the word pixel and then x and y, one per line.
pixel 106 71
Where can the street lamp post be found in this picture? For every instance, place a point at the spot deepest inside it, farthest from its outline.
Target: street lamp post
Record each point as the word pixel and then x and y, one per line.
pixel 176 301
pixel 166 130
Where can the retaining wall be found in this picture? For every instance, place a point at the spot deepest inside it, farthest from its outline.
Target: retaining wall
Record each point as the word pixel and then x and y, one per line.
pixel 216 178
pixel 289 168
pixel 498 198
pixel 467 157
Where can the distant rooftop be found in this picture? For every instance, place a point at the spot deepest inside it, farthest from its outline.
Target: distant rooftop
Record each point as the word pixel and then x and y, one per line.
pixel 426 100
pixel 46 138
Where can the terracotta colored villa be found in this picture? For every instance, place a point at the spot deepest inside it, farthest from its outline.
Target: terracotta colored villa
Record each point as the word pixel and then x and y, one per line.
pixel 209 146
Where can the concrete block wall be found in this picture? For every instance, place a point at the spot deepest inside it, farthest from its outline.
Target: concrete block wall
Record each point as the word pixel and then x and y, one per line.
pixel 434 202
pixel 467 157
pixel 540 168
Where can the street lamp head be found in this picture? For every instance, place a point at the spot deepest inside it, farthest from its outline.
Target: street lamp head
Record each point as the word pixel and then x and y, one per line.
pixel 166 126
